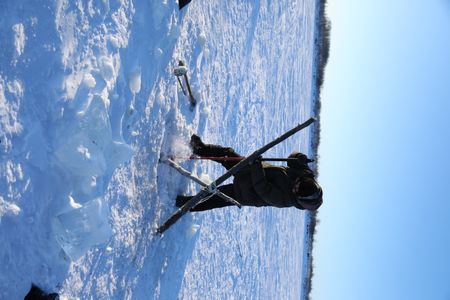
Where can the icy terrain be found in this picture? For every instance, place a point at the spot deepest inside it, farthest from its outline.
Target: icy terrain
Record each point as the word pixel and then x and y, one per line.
pixel 88 103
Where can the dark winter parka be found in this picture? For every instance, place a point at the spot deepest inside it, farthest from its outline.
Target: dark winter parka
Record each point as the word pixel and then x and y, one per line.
pixel 263 184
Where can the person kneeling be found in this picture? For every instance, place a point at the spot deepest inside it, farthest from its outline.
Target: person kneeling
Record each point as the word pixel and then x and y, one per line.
pixel 260 184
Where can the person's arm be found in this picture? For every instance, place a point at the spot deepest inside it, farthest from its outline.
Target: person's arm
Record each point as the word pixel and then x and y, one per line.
pixel 268 191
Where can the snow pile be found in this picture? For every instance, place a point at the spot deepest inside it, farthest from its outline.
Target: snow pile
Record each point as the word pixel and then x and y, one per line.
pixel 7 208
pixel 59 146
pixel 84 146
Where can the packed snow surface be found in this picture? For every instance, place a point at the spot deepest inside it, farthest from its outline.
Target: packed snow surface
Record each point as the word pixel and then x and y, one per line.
pixel 88 104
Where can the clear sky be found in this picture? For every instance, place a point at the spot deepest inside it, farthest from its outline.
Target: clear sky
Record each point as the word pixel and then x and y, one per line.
pixel 384 230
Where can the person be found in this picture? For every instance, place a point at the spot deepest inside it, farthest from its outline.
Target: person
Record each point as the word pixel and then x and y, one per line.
pixel 260 184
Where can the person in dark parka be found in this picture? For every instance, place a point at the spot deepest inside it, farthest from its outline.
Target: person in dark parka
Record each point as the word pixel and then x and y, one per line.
pixel 261 184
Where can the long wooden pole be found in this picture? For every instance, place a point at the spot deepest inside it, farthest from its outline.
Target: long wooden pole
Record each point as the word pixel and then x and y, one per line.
pixel 234 158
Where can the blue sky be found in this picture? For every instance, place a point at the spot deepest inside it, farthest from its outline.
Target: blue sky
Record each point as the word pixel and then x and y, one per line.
pixel 384 229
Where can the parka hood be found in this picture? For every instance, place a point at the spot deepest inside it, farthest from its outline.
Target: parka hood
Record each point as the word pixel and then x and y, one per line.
pixel 312 202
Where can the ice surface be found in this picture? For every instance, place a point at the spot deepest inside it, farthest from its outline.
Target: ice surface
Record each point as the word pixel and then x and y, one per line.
pixel 85 148
pixel 82 227
pixel 88 104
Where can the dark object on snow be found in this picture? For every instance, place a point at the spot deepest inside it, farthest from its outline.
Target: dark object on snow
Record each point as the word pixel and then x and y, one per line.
pixel 36 293
pixel 183 3
pixel 181 71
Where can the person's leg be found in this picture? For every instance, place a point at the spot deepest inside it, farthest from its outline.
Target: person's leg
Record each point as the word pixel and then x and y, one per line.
pixel 210 150
pixel 213 202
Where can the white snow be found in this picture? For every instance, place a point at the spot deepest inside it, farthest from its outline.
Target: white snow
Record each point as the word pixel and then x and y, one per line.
pixel 88 104
pixel 202 39
pixel 8 208
pixel 9 107
pixel 19 39
pixel 135 82
pixel 107 68
pixel 89 80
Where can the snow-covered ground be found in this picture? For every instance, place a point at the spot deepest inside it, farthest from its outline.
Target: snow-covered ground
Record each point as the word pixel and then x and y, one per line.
pixel 88 103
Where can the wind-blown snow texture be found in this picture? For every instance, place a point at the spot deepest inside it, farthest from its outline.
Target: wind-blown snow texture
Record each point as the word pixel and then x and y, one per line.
pixel 87 106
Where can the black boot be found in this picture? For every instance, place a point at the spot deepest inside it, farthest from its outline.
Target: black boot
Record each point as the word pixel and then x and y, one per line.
pixel 198 147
